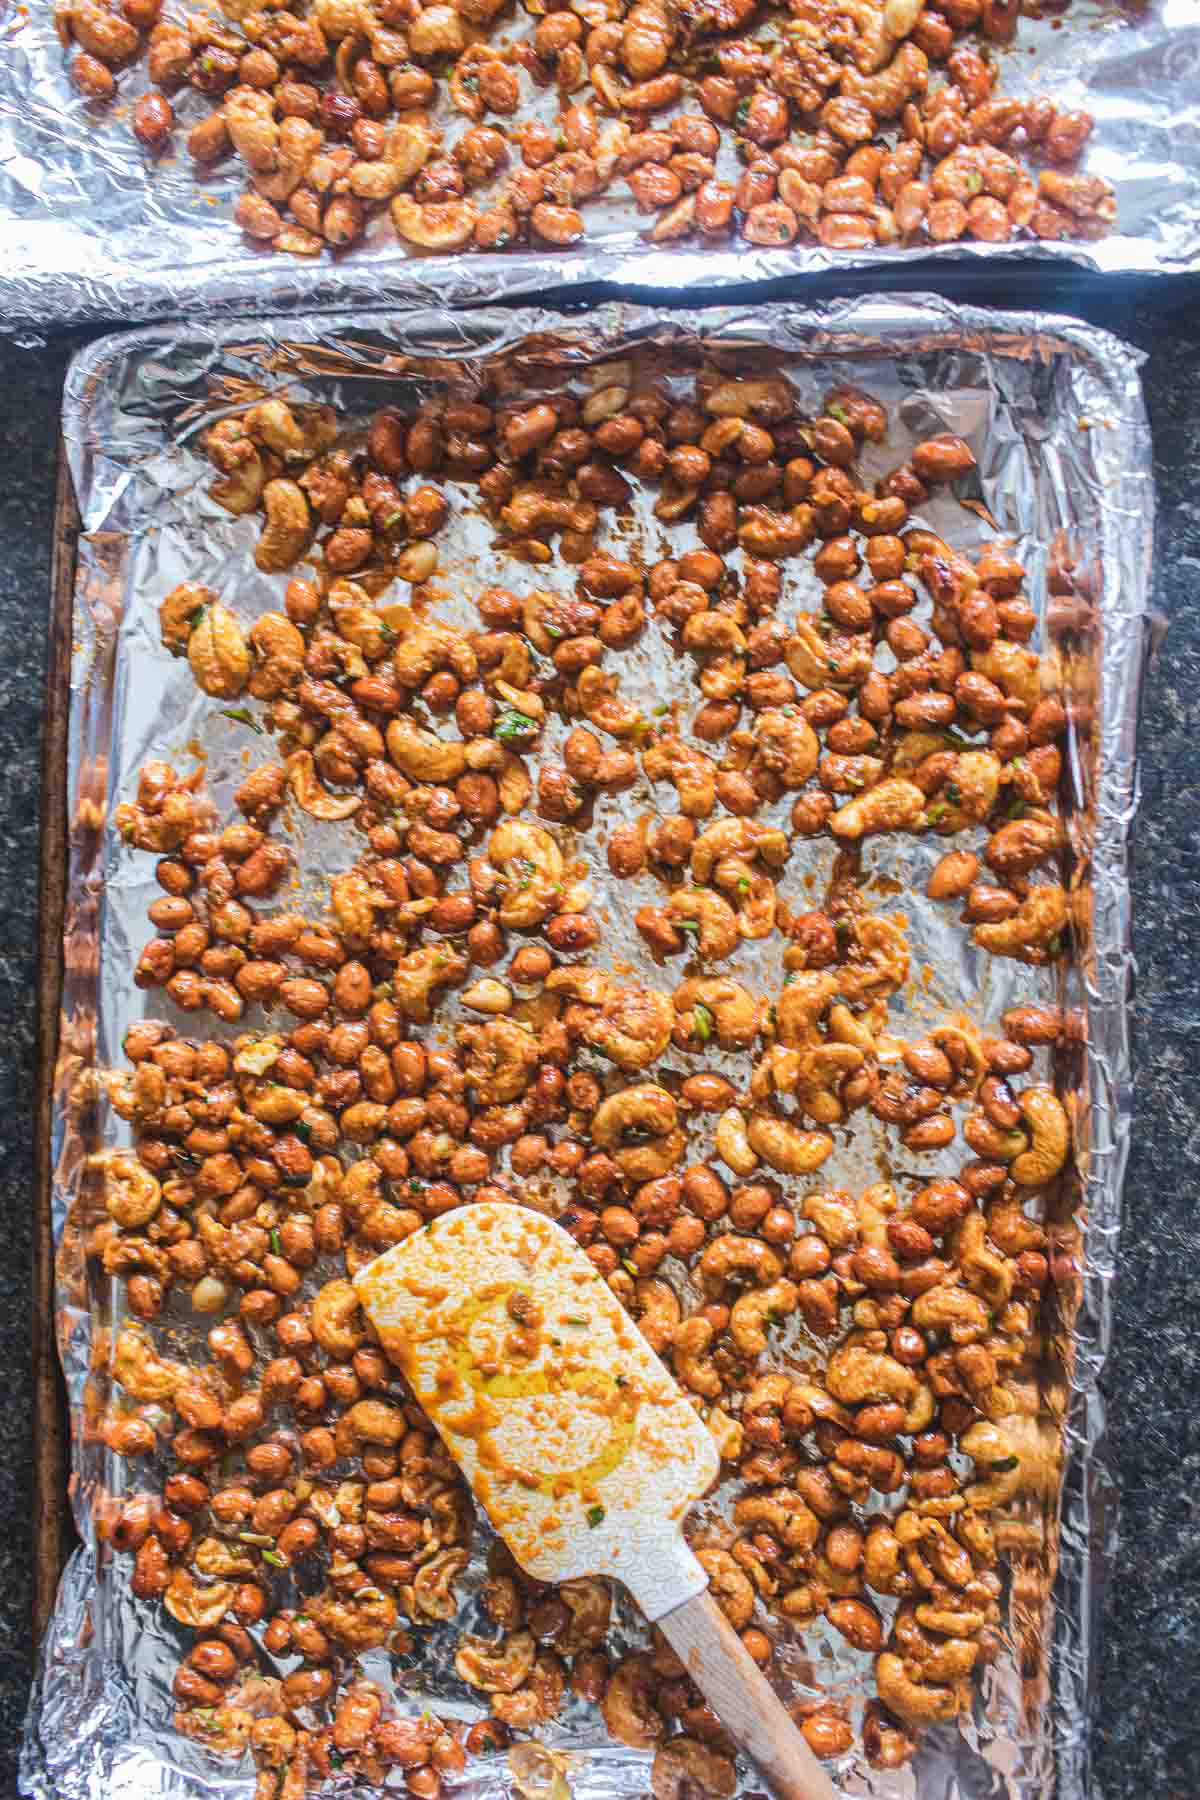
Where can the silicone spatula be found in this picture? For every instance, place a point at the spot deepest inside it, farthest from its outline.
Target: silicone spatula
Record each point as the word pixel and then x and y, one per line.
pixel 576 1440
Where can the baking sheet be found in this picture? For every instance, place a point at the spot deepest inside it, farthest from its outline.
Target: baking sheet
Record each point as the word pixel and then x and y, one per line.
pixel 1054 413
pixel 93 229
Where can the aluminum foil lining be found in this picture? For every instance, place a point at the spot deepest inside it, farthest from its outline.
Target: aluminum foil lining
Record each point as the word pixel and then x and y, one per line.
pixel 1054 413
pixel 93 229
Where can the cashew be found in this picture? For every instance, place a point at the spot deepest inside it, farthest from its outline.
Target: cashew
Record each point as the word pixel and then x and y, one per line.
pixel 710 924
pixel 912 1701
pixel 132 1195
pixel 287 529
pixel 785 1146
pixel 200 1607
pixel 1033 928
pixel 647 1109
pixel 628 1704
pixel 503 1060
pixel 139 1369
pixel 730 1587
pixel 633 1027
pixel 417 976
pixel 694 775
pixel 782 1513
pixel 532 866
pixel 589 1602
pixel 337 1319
pixel 218 653
pixel 311 795
pixel 752 1312
pixel 441 225
pixel 1047 1120
pixel 736 838
pixel 658 1312
pixel 951 1309
pixel 498 1668
pixel 422 755
pixel 731 1143
pixel 359 1622
pixel 717 1000
pixel 787 747
pixel 731 1257
pixel 685 1767
pixel 893 805
pixel 855 1374
pixel 689 1352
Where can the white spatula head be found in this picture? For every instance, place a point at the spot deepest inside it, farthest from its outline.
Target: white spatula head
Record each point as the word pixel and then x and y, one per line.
pixel 575 1438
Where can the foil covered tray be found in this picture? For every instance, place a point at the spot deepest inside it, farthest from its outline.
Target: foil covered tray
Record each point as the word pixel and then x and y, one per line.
pixel 93 229
pixel 1054 411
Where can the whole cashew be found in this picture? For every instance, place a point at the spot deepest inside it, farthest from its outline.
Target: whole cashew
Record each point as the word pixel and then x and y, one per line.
pixel 732 1144
pixel 751 1313
pixel 658 1312
pixel 422 755
pixel 1047 1120
pixel 628 1704
pixel 782 1513
pixel 440 225
pixel 200 1607
pixel 139 1369
pixel 287 529
pixel 633 1027
pixel 1033 928
pixel 644 1108
pixel 336 1319
pixel 729 1585
pixel 855 1374
pixel 730 1257
pixel 785 1146
pixel 915 1702
pixel 218 653
pixel 132 1195
pixel 312 796
pixel 532 865
pixel 734 1012
pixel 689 1353
pixel 709 921
pixel 894 805
pixel 498 1668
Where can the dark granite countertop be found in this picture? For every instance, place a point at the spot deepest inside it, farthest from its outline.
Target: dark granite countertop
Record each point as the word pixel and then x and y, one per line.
pixel 1149 1719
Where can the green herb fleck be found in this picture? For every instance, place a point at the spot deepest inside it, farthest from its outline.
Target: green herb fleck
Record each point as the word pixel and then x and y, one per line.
pixel 553 631
pixel 837 411
pixel 660 710
pixel 513 724
pixel 388 631
pixel 1055 946
pixel 689 924
pixel 196 618
pixel 743 885
pixel 702 1019
pixel 595 1516
pixel 273 1557
pixel 974 181
pixel 627 1262
pixel 575 1319
pixel 1006 1462
pixel 243 715
pixel 953 793
pixel 275 1243
pixel 1016 809
pixel 742 113
pixel 415 1186
pixel 937 812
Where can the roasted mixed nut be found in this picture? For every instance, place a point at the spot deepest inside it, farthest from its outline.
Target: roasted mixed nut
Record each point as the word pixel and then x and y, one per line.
pixel 850 123
pixel 456 1025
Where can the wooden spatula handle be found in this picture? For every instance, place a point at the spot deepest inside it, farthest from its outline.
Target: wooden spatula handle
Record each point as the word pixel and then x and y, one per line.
pixel 731 1681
